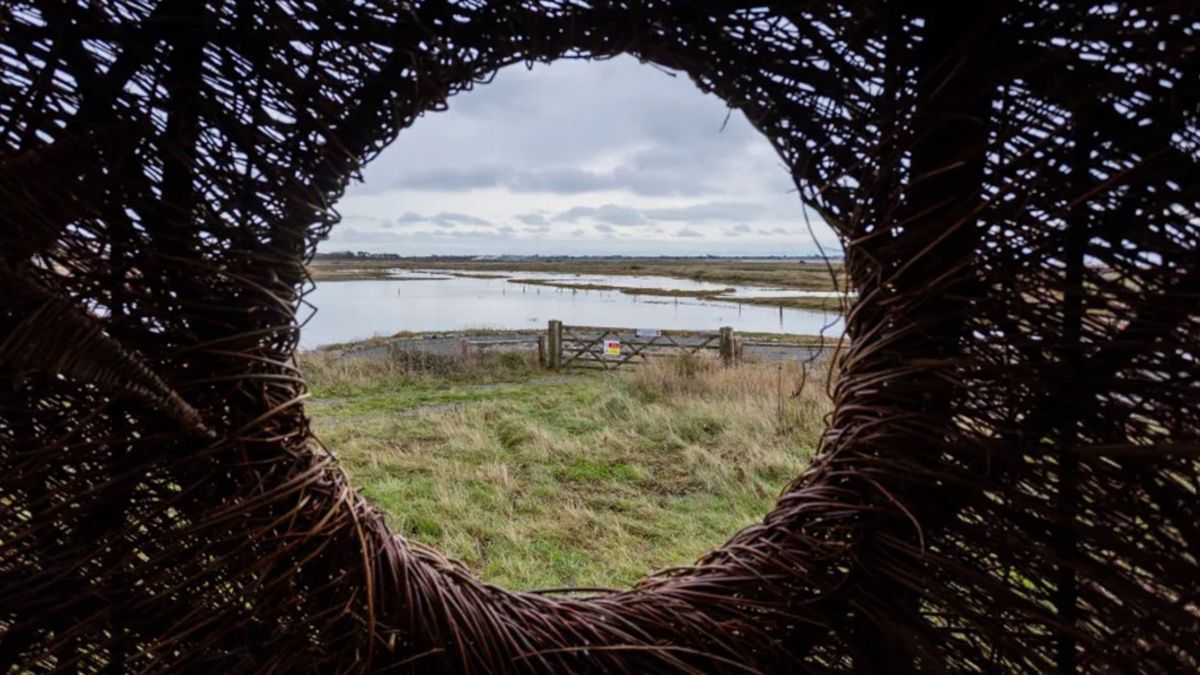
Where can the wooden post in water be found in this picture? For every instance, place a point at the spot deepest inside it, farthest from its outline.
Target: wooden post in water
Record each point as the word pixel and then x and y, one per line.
pixel 554 343
pixel 726 346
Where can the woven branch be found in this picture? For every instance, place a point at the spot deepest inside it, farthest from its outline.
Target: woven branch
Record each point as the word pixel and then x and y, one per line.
pixel 1010 479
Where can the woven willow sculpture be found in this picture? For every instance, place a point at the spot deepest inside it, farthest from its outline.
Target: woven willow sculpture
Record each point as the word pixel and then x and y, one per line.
pixel 1009 481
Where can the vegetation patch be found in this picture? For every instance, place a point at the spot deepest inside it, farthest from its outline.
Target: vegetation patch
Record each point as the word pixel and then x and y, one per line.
pixel 808 274
pixel 538 480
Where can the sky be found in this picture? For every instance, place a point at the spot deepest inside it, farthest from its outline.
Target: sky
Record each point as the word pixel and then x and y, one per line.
pixel 578 158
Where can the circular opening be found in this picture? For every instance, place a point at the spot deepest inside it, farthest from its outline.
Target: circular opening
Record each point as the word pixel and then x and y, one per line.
pixel 597 194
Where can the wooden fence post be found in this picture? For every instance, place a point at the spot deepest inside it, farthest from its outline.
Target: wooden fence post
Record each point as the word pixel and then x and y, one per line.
pixel 464 347
pixel 726 346
pixel 554 343
pixel 542 362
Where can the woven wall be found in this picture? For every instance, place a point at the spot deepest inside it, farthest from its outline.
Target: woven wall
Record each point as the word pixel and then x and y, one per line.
pixel 1008 483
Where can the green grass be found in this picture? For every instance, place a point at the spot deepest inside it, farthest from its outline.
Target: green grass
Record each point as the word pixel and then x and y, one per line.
pixel 538 481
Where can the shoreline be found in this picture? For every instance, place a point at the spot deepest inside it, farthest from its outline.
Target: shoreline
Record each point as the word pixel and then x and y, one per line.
pixel 799 274
pixel 805 278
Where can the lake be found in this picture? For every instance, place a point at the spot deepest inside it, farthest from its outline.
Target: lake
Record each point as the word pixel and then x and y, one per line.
pixel 438 301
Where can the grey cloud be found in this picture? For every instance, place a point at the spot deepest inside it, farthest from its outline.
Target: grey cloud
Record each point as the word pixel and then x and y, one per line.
pixel 468 234
pixel 685 232
pixel 615 214
pixel 562 180
pixel 356 218
pixel 586 129
pixel 601 227
pixel 707 211
pixel 611 214
pixel 532 218
pixel 453 178
pixel 651 181
pixel 458 219
pixel 444 219
pixel 348 234
pixel 506 229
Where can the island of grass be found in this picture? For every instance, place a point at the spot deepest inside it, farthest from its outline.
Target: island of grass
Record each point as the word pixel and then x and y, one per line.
pixel 806 274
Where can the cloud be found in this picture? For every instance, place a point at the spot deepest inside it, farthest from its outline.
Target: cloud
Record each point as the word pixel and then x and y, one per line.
pixel 611 214
pixel 362 218
pixel 616 214
pixel 531 218
pixel 443 219
pixel 450 217
pixel 707 211
pixel 630 178
pixel 451 178
pixel 769 231
pixel 552 152
pixel 562 180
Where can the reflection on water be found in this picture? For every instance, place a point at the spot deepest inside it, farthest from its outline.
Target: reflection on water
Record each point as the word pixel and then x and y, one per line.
pixel 435 301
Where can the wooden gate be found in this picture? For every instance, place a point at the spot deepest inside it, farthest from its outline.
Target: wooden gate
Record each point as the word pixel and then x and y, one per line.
pixel 608 348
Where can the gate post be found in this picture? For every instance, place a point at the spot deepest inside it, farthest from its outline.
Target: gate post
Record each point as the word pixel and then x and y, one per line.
pixel 726 345
pixel 554 344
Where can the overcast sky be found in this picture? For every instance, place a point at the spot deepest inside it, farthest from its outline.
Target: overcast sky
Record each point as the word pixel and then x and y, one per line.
pixel 611 157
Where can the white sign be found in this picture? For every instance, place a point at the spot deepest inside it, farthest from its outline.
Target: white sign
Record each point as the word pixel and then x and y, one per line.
pixel 647 332
pixel 612 347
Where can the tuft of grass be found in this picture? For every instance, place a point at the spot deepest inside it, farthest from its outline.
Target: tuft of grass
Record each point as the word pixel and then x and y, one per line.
pixel 550 481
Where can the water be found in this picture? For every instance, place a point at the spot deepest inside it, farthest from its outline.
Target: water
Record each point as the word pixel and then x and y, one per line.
pixel 630 281
pixel 436 301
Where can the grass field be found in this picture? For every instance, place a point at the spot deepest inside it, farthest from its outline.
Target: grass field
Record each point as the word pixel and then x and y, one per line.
pixel 541 481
